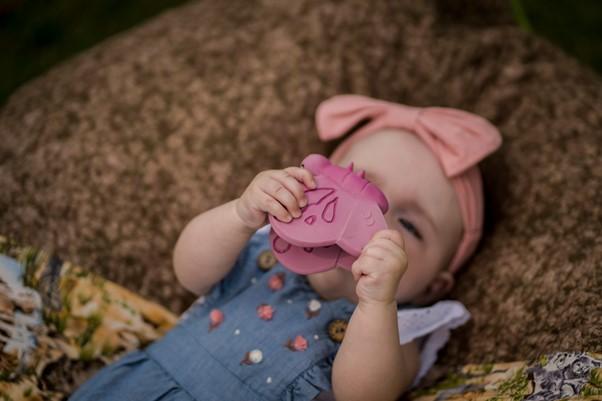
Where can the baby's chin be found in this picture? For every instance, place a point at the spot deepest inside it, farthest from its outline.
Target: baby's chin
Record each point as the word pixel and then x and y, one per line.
pixel 407 294
pixel 334 283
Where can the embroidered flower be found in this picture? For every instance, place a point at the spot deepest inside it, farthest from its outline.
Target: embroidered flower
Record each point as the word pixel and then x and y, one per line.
pixel 299 343
pixel 276 282
pixel 313 308
pixel 265 312
pixel 252 358
pixel 216 317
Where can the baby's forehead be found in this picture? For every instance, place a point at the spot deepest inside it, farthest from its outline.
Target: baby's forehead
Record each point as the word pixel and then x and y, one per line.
pixel 401 165
pixel 419 189
pixel 392 153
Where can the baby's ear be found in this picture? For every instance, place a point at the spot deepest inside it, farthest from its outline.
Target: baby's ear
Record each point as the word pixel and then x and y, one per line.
pixel 448 280
pixel 441 284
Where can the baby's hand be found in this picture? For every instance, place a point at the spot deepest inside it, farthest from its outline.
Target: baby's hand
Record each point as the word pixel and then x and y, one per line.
pixel 379 268
pixel 278 192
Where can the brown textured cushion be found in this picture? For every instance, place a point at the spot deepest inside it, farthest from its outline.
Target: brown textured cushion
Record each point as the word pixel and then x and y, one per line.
pixel 109 155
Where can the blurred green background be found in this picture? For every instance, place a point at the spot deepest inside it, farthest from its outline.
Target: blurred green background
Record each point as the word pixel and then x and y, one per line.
pixel 37 34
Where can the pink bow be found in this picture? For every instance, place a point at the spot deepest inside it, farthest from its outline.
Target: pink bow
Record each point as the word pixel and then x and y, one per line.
pixel 458 138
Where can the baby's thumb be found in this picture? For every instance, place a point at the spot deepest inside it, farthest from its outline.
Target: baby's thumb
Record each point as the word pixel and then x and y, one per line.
pixel 356 269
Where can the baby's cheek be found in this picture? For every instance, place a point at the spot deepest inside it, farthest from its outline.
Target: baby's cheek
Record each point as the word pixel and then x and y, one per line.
pixel 402 298
pixel 413 281
pixel 405 289
pixel 391 222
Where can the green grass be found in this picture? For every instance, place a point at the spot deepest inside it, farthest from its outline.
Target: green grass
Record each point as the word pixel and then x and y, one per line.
pixel 575 26
pixel 37 34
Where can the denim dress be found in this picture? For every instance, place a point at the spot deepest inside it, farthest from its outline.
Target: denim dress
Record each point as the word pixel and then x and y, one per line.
pixel 262 333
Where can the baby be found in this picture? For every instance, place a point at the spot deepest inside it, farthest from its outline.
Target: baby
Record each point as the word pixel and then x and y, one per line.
pixel 261 332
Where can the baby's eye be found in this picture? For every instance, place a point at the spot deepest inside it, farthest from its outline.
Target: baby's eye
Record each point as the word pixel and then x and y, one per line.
pixel 410 227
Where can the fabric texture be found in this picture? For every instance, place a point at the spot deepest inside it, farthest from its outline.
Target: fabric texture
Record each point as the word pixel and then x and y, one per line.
pixel 133 377
pixel 458 139
pixel 549 377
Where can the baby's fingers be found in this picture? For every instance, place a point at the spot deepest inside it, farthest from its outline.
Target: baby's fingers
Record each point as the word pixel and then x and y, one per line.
pixel 295 187
pixel 280 192
pixel 364 265
pixel 303 175
pixel 274 207
pixel 391 235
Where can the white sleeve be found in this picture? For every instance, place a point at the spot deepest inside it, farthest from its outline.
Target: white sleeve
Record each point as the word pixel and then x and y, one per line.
pixel 432 325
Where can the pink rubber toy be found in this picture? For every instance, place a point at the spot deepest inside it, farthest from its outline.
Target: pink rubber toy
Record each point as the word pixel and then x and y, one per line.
pixel 343 212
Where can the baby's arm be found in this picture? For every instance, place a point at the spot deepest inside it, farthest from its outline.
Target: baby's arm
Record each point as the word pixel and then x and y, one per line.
pixel 210 243
pixel 208 247
pixel 371 364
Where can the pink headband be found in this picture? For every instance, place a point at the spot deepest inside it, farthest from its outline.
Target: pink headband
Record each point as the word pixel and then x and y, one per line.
pixel 458 139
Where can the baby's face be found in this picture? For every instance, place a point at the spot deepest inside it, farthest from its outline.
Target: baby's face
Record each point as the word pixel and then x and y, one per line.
pixel 422 203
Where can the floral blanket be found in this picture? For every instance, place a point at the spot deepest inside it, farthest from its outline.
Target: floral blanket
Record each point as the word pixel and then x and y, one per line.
pixel 59 324
pixel 555 376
